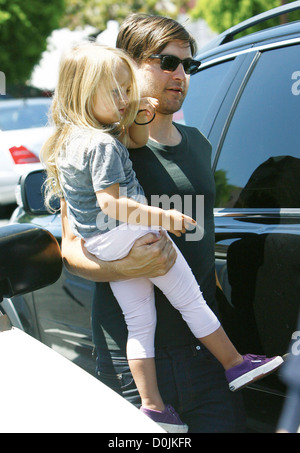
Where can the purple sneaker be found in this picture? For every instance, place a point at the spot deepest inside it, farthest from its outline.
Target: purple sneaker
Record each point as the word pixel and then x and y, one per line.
pixel 253 367
pixel 168 419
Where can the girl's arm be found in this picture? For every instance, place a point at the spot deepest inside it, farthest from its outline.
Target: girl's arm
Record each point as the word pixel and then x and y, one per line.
pixel 130 211
pixel 138 133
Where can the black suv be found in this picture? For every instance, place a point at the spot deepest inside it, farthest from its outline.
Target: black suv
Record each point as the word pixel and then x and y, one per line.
pixel 246 100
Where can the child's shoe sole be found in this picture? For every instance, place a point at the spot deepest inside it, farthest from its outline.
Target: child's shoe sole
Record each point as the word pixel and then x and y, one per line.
pixel 255 374
pixel 174 428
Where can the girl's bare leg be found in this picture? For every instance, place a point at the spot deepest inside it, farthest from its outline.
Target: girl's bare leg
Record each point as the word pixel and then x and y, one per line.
pixel 221 347
pixel 144 375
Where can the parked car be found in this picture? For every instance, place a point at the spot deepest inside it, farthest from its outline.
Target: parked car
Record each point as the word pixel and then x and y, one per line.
pixel 41 391
pixel 23 130
pixel 246 100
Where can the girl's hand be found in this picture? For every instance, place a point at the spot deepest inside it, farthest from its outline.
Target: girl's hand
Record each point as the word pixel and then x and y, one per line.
pixel 147 109
pixel 176 222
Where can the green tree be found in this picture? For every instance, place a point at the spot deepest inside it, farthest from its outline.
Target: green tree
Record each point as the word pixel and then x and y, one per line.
pixel 223 14
pixel 24 28
pixel 98 12
pixel 224 191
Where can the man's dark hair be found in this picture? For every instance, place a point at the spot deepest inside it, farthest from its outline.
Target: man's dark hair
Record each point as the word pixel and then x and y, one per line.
pixel 142 35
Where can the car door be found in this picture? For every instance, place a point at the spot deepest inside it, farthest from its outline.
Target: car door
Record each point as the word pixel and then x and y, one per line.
pixel 63 313
pixel 60 314
pixel 257 169
pixel 248 105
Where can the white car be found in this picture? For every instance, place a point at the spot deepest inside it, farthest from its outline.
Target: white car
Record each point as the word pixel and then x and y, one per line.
pixel 42 391
pixel 23 130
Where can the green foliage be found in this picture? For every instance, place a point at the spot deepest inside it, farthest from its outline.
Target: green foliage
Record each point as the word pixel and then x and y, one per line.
pixel 26 24
pixel 224 191
pixel 98 12
pixel 223 14
pixel 24 28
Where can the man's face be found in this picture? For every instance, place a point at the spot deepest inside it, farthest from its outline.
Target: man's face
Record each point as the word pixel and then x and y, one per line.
pixel 170 88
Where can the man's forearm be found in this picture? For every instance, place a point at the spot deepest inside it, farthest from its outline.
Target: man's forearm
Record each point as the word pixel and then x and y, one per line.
pixel 80 262
pixel 150 256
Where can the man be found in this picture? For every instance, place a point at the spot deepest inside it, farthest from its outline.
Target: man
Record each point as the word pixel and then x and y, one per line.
pixel 176 161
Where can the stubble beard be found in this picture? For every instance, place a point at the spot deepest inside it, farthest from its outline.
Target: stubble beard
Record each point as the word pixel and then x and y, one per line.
pixel 169 106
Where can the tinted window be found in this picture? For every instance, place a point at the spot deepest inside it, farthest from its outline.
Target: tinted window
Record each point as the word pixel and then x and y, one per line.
pixel 259 165
pixel 33 193
pixel 23 115
pixel 204 89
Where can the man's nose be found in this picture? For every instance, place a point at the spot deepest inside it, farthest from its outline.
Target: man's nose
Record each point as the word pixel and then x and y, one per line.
pixel 179 72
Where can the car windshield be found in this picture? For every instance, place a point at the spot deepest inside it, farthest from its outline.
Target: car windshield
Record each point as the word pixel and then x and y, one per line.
pixel 23 114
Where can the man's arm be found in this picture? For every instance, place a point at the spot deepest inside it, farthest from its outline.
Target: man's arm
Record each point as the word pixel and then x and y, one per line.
pixel 149 257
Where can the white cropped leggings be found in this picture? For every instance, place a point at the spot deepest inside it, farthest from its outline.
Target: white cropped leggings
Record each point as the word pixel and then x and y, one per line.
pixel 136 296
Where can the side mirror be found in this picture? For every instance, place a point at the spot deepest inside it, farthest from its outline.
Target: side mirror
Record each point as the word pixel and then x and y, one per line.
pixel 32 194
pixel 30 259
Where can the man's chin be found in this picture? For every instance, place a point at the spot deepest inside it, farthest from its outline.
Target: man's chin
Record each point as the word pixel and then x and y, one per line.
pixel 169 109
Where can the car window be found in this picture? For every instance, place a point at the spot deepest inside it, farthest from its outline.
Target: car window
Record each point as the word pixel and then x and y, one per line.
pixel 23 116
pixel 204 89
pixel 259 164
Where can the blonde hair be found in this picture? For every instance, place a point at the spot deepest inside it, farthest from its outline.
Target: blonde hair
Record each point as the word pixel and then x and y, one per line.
pixel 84 69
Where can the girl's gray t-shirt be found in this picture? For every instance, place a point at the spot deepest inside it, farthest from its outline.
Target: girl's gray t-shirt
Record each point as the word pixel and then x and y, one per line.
pixel 90 162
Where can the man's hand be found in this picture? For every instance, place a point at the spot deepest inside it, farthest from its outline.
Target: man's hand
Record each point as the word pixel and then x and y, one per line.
pixel 150 256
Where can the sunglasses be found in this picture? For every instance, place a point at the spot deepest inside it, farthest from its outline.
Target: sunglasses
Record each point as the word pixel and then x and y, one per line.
pixel 171 63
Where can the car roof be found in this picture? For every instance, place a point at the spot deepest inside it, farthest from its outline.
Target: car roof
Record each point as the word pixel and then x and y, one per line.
pixel 18 102
pixel 225 43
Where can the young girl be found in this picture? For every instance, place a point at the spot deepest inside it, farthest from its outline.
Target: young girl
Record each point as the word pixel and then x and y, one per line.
pixel 96 111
